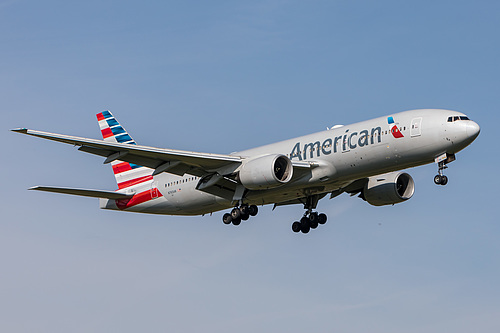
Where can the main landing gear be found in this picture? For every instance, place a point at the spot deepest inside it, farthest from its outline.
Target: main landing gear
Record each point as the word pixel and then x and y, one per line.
pixel 242 213
pixel 309 221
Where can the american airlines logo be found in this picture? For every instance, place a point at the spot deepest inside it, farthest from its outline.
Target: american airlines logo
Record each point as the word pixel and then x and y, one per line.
pixel 343 143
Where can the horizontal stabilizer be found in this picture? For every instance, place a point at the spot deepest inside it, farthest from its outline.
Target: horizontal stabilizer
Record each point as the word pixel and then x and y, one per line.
pixel 83 192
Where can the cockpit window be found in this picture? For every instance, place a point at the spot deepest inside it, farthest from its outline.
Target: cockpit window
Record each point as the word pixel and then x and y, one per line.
pixel 457 118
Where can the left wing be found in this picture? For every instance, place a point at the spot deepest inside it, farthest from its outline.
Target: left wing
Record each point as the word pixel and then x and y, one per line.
pixel 84 192
pixel 161 160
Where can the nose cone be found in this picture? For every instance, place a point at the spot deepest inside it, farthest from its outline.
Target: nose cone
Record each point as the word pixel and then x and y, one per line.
pixel 472 130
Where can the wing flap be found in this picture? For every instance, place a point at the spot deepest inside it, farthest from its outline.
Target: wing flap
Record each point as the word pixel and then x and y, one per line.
pixel 83 192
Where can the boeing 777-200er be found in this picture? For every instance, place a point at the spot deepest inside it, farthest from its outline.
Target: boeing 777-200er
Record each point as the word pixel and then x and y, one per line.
pixel 364 158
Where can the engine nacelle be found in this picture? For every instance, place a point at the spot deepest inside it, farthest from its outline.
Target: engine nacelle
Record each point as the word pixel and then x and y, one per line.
pixel 266 172
pixel 389 188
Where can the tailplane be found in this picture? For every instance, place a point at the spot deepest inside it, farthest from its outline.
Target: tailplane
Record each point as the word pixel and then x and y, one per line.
pixel 126 174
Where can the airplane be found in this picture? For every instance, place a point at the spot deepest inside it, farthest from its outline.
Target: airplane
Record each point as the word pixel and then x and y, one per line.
pixel 364 159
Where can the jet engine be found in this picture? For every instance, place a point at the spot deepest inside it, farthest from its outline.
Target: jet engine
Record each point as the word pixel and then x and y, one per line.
pixel 266 172
pixel 389 188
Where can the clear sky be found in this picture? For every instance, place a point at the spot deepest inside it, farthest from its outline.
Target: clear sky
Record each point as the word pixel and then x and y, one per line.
pixel 222 76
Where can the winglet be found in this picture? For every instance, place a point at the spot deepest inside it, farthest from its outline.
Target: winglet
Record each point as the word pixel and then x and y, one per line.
pixel 20 130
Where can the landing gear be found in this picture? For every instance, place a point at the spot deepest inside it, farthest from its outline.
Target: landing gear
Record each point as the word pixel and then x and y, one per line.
pixel 310 220
pixel 440 178
pixel 239 214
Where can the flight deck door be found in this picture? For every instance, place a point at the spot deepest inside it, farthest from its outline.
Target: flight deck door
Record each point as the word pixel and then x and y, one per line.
pixel 416 125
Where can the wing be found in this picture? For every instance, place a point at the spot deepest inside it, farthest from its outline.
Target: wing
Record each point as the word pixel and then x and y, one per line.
pixel 84 192
pixel 161 160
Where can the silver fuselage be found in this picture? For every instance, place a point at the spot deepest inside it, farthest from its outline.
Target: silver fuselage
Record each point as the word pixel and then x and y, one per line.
pixel 342 154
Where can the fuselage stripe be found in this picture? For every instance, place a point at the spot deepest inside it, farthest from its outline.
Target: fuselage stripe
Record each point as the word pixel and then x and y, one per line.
pixel 135 181
pixel 137 199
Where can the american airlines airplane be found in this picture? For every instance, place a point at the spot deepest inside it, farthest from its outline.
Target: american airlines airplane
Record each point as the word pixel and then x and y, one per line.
pixel 364 158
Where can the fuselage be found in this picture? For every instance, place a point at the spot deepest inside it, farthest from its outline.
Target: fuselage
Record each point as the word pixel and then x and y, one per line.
pixel 341 155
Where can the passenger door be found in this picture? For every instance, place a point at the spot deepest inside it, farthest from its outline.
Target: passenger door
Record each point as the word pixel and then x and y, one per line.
pixel 416 125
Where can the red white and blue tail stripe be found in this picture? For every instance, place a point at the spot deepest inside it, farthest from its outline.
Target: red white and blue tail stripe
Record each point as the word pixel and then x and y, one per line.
pixel 126 174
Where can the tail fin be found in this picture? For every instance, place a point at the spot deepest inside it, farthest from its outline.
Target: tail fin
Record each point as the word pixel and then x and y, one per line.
pixel 126 174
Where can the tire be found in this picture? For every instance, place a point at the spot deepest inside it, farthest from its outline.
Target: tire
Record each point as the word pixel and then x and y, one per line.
pixel 237 221
pixel 305 222
pixel 437 179
pixel 227 218
pixel 305 229
pixel 296 227
pixel 244 209
pixel 444 180
pixel 235 213
pixel 322 218
pixel 314 224
pixel 313 217
pixel 245 217
pixel 253 210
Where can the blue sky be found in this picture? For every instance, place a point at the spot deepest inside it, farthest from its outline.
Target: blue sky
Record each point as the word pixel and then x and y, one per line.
pixel 222 76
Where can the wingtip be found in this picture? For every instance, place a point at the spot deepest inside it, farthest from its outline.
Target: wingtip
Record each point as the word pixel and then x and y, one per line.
pixel 20 130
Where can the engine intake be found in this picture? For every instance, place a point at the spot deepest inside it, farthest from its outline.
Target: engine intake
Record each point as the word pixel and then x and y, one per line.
pixel 266 172
pixel 389 189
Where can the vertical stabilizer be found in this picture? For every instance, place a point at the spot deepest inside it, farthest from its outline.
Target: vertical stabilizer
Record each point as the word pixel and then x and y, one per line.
pixel 126 174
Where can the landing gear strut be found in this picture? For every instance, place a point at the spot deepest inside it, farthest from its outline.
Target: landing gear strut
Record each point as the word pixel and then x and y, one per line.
pixel 239 214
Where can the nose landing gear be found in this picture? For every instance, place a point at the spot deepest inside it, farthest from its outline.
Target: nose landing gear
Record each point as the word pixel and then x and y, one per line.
pixel 440 178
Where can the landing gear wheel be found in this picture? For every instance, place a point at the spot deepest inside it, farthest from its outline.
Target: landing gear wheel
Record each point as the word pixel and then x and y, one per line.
pixel 314 224
pixel 237 221
pixel 253 210
pixel 305 228
pixel 444 180
pixel 313 217
pixel 244 217
pixel 322 218
pixel 235 213
pixel 227 218
pixel 244 210
pixel 437 179
pixel 305 222
pixel 296 227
